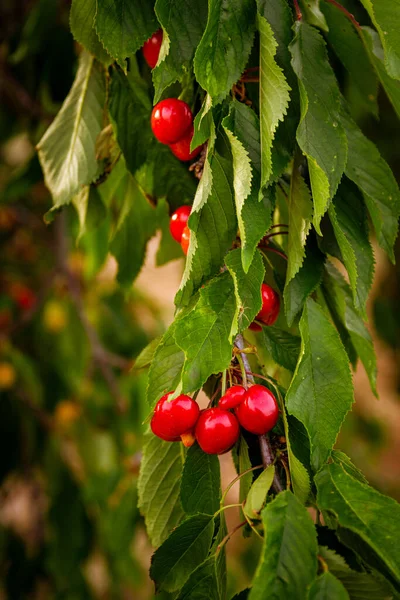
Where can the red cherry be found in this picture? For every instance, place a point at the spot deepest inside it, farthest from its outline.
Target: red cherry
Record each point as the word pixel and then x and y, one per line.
pixel 151 48
pixel 185 239
pixel 216 430
pixel 181 148
pixel 270 305
pixel 232 397
pixel 171 120
pixel 258 413
pixel 255 326
pixel 23 296
pixel 177 222
pixel 171 419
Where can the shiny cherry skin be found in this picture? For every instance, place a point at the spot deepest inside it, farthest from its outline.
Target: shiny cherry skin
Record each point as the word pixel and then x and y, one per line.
pixel 171 120
pixel 232 397
pixel 270 305
pixel 181 148
pixel 185 240
pixel 259 412
pixel 178 221
pixel 216 431
pixel 151 48
pixel 171 419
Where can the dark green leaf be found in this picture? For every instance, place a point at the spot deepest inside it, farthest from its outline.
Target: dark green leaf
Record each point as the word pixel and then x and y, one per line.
pixel 283 346
pixel 321 392
pixel 81 21
pixel 313 14
pixel 386 17
pixel 327 587
pixel 218 63
pixel 201 482
pixel 166 367
pixel 258 493
pixel 202 583
pixel 158 487
pixel 182 552
pixel 288 563
pixel 242 464
pixel 320 134
pixel 90 208
pixel 243 595
pixel 362 510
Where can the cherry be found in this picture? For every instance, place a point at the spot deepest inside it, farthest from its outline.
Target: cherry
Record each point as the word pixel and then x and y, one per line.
pixel 171 120
pixel 181 148
pixel 172 419
pixel 185 239
pixel 23 296
pixel 232 397
pixel 270 307
pixel 216 430
pixel 177 222
pixel 255 326
pixel 151 48
pixel 258 413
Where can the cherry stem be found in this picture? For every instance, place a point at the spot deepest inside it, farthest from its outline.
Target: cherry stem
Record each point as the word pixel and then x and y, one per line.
pixel 270 235
pixel 251 524
pixel 232 483
pixel 230 377
pixel 229 535
pixel 269 379
pixel 242 369
pixel 323 564
pixel 299 15
pixel 279 225
pixel 223 391
pixel 348 14
pixel 275 251
pixel 225 507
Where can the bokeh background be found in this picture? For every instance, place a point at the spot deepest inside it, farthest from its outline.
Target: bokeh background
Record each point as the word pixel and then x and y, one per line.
pixel 72 410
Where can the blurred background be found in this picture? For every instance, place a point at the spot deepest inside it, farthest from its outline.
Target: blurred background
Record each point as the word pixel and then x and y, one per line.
pixel 71 408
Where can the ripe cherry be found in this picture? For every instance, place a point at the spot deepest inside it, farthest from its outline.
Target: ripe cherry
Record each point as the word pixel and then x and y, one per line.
pixel 216 430
pixel 181 148
pixel 185 240
pixel 171 120
pixel 23 296
pixel 151 48
pixel 172 419
pixel 258 413
pixel 232 397
pixel 178 221
pixel 270 307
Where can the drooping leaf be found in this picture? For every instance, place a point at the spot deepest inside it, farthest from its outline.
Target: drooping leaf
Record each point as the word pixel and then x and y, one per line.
pixel 67 149
pixel 320 133
pixel 81 22
pixel 288 562
pixel 323 405
pixel 258 493
pixel 124 26
pixel 90 208
pixel 344 461
pixel 327 587
pixel 184 23
pixel 313 13
pixel 218 63
pixel 182 552
pixel 203 335
pixel 283 346
pixel 203 124
pixel 241 459
pixel 201 482
pixel 247 289
pixel 372 175
pixel 158 488
pixel 339 298
pixel 375 518
pixel 274 96
pixel 202 583
pixel 386 16
pixel 146 356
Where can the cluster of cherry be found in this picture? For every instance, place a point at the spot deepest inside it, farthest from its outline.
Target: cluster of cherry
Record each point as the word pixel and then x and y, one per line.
pixel 216 429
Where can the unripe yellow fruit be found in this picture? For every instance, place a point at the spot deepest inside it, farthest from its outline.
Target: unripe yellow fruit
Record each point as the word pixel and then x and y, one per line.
pixel 7 376
pixel 55 318
pixel 67 412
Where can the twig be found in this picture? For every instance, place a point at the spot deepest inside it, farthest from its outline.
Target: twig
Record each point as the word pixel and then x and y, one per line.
pixel 348 14
pixel 229 535
pixel 299 15
pixel 275 251
pixel 267 454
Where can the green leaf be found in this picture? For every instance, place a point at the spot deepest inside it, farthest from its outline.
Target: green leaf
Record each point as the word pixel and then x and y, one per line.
pixel 184 23
pixel 288 563
pixel 130 114
pixel 203 335
pixel 339 298
pixel 81 22
pixel 274 96
pixel 218 63
pixel 201 482
pixel 247 289
pixel 344 461
pixel 373 176
pixel 320 134
pixel 90 208
pixel 241 458
pixel 202 583
pixel 349 48
pixel 327 587
pixel 182 552
pixel 313 14
pixel 386 17
pixel 305 281
pixel 374 49
pixel 347 215
pixel 362 510
pixel 283 346
pixel 321 392
pixel 146 356
pixel 253 212
pixel 213 228
pixel 158 488
pixel 203 124
pixel 67 149
pixel 166 367
pixel 258 493
pixel 124 26
pixel 171 178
